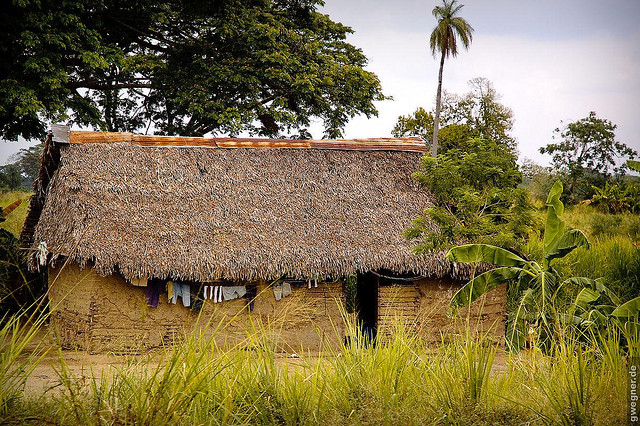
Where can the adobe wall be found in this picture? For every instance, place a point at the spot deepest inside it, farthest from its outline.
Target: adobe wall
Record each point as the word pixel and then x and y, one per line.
pixel 423 306
pixel 108 314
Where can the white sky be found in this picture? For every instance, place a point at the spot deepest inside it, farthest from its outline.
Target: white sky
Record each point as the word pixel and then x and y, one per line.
pixel 552 61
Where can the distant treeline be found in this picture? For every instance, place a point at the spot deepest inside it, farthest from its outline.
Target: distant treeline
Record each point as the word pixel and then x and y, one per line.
pixel 22 170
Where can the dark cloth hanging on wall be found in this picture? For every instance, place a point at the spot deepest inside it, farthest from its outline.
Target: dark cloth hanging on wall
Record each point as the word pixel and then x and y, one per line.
pixel 251 294
pixel 154 287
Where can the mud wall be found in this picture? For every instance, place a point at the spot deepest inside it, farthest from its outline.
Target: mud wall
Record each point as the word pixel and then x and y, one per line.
pixel 422 307
pixel 108 314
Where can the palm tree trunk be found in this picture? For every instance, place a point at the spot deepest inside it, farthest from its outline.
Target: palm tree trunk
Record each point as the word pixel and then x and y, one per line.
pixel 436 120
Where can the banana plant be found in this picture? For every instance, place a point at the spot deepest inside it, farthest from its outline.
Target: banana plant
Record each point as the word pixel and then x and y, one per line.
pixel 536 283
pixel 539 284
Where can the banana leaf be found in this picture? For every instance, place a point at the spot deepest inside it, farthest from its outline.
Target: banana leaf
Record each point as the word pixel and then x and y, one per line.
pixel 484 253
pixel 569 319
pixel 482 284
pixel 606 309
pixel 554 227
pixel 596 317
pixel 564 245
pixel 597 284
pixel 585 297
pixel 629 309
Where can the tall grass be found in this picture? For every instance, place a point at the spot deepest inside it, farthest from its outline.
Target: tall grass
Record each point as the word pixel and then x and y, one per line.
pixel 20 353
pixel 16 218
pixel 400 380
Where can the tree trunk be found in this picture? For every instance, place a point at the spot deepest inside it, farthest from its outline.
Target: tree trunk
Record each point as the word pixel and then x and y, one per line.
pixel 436 120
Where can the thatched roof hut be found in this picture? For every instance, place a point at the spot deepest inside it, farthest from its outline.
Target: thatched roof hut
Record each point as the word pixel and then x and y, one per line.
pixel 241 209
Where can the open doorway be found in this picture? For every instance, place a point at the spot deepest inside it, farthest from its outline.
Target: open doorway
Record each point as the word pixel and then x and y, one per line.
pixel 367 305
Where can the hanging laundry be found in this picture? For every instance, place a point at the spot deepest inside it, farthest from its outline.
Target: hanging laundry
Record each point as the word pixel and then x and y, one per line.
pixel 182 290
pixel 170 291
pixel 154 287
pixel 234 292
pixel 281 290
pixel 252 293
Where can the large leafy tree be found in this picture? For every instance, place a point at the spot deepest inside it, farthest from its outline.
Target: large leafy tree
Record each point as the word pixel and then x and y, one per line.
pixel 476 198
pixel 10 177
pixel 588 153
pixel 475 114
pixel 28 160
pixel 444 40
pixel 264 66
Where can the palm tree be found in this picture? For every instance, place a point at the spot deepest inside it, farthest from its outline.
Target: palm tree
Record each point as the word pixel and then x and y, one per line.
pixel 444 40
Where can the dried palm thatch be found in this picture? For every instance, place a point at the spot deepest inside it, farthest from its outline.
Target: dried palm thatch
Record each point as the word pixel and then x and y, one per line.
pixel 236 213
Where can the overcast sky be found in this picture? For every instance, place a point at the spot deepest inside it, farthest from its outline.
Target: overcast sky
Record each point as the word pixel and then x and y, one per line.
pixel 552 61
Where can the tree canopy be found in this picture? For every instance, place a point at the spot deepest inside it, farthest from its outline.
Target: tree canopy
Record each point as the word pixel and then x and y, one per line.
pixel 476 114
pixel 588 153
pixel 267 67
pixel 476 194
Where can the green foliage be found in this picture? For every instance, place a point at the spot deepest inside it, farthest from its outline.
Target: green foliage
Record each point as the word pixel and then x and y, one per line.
pixel 570 386
pixel 538 180
pixel 19 355
pixel 420 123
pixel 191 68
pixel 10 177
pixel 397 381
pixel 18 286
pixel 23 169
pixel 539 285
pixel 476 114
pixel 350 293
pixel 616 197
pixel 450 28
pixel 634 165
pixel 28 160
pixel 614 258
pixel 476 198
pixel 587 153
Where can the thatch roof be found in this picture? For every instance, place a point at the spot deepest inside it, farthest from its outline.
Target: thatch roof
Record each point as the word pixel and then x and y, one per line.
pixel 200 212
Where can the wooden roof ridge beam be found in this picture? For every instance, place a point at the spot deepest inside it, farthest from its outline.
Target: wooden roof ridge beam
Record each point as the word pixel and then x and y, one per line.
pixel 81 136
pixel 391 144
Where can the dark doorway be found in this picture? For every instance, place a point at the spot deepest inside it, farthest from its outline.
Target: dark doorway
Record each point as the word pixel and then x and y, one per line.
pixel 367 305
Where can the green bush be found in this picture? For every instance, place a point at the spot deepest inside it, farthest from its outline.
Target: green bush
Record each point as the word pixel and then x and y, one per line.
pixel 476 198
